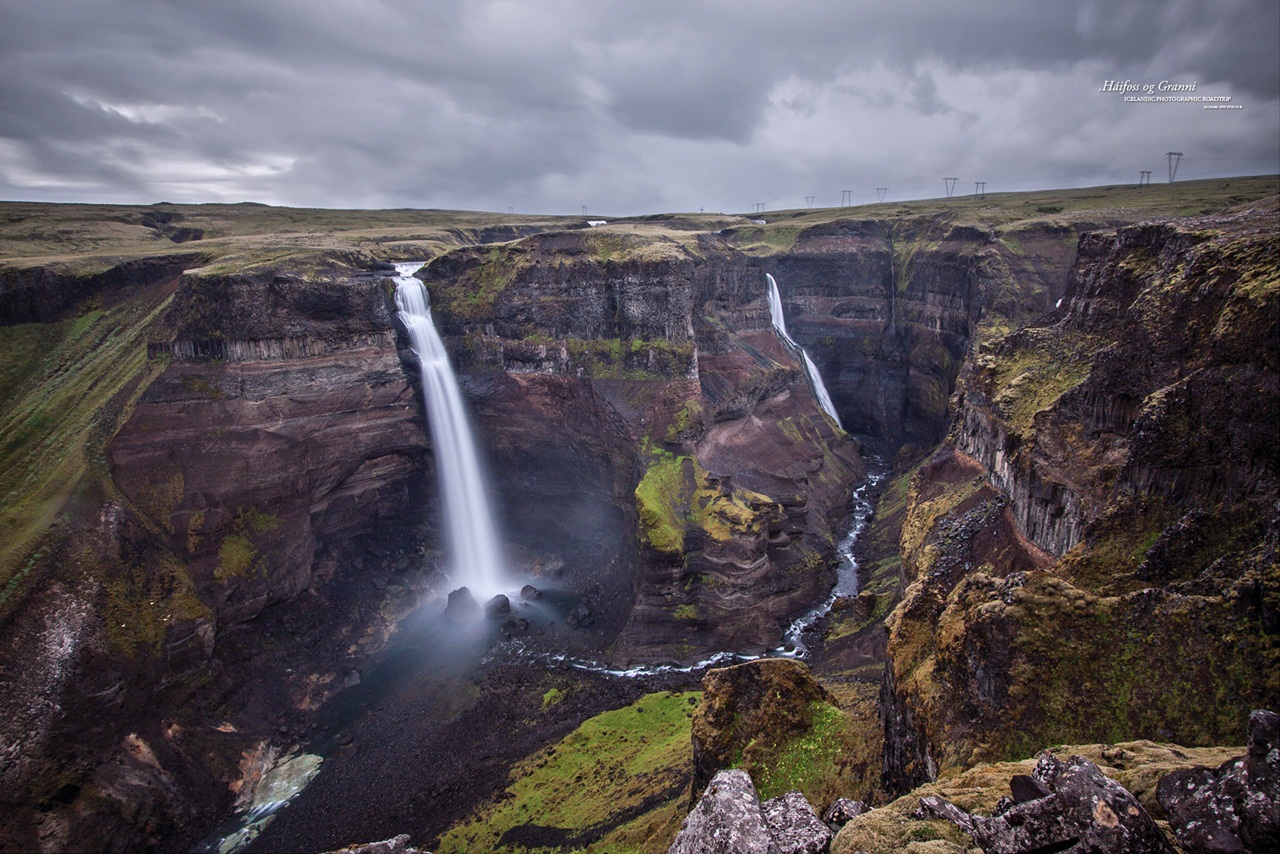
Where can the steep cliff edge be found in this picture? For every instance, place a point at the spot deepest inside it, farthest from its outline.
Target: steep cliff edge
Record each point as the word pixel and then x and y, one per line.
pixel 888 307
pixel 221 443
pixel 1092 554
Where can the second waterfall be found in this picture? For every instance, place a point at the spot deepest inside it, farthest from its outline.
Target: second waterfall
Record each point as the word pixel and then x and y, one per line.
pixel 476 555
pixel 810 369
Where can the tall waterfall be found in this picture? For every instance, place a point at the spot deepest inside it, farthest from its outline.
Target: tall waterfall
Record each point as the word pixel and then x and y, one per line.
pixel 477 557
pixel 815 378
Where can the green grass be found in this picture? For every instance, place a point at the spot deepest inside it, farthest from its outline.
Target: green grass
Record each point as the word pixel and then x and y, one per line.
pixel 809 763
pixel 67 387
pixel 551 697
pixel 686 612
pixel 676 495
pixel 1104 668
pixel 1104 205
pixel 89 238
pixel 606 775
pixel 618 359
pixel 1033 377
pixel 688 419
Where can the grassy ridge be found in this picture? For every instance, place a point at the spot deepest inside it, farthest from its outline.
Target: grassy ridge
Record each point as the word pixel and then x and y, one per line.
pixel 85 238
pixel 33 233
pixel 1012 214
pixel 614 784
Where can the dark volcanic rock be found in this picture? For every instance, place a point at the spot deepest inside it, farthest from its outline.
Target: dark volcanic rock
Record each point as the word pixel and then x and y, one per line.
pixel 462 606
pixel 40 295
pixel 498 607
pixel 1083 811
pixel 395 845
pixel 515 625
pixel 1260 816
pixel 1027 788
pixel 303 432
pixel 727 818
pixel 1236 807
pixel 1098 459
pixel 794 826
pixel 645 444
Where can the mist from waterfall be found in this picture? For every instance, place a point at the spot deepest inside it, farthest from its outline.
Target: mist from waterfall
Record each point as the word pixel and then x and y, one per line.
pixel 810 369
pixel 476 556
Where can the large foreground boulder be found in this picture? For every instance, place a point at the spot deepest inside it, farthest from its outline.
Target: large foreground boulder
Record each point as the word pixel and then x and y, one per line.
pixel 462 606
pixel 794 826
pixel 1236 807
pixel 729 819
pixel 1061 806
pixel 726 819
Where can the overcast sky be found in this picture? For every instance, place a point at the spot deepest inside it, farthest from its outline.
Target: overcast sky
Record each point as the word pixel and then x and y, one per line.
pixel 620 106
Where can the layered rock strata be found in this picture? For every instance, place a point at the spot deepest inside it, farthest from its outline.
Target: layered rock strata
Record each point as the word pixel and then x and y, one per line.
pixel 673 465
pixel 298 430
pixel 1092 552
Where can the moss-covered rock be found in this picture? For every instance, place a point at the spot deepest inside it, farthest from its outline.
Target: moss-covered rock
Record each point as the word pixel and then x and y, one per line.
pixel 1138 766
pixel 774 720
pixel 677 498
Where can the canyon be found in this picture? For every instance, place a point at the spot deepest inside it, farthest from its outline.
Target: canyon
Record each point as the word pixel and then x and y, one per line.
pixel 221 498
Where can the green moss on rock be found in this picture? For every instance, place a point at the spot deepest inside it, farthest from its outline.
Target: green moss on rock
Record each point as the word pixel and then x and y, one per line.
pixel 236 556
pixel 677 496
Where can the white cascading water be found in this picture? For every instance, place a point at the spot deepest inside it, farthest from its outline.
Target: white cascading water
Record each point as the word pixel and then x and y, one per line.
pixel 815 378
pixel 477 556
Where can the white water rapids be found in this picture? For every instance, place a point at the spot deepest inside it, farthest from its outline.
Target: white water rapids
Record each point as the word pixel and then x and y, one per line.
pixel 476 556
pixel 810 369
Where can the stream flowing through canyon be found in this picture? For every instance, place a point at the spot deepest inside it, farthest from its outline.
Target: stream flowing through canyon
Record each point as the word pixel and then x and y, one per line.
pixel 434 699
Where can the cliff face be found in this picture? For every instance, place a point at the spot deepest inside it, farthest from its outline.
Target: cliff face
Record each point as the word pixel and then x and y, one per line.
pixel 283 425
pixel 660 340
pixel 671 462
pixel 40 294
pixel 888 308
pixel 265 432
pixel 1092 553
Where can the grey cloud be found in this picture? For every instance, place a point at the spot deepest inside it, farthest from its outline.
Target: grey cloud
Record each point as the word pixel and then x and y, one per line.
pixel 549 105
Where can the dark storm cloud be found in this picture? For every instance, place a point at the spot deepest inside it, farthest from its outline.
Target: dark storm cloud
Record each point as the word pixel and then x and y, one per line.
pixel 620 106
